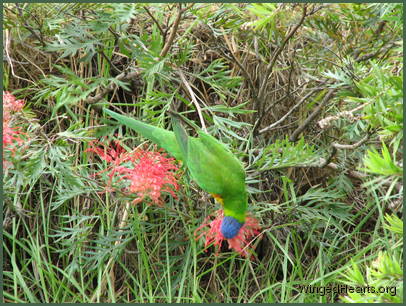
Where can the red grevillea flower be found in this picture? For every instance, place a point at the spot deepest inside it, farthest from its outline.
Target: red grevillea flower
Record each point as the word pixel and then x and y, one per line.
pixel 210 229
pixel 11 135
pixel 10 104
pixel 146 174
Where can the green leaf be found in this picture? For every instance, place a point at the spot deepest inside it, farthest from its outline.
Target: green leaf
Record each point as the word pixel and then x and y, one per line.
pixel 381 164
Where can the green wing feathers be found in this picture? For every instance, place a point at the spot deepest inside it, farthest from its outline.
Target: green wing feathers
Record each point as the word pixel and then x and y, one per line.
pixel 217 170
pixel 224 154
pixel 181 137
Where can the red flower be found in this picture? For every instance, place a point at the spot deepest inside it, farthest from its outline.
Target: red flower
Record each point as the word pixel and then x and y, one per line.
pixel 11 135
pixel 240 243
pixel 10 104
pixel 146 174
pixel 113 154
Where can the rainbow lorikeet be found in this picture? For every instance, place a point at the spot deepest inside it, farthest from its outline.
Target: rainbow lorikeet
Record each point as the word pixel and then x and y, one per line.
pixel 214 168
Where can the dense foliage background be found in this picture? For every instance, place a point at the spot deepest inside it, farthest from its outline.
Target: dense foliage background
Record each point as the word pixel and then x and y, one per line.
pixel 308 96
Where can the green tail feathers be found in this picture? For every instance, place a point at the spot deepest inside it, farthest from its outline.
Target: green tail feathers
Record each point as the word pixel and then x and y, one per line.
pixel 163 138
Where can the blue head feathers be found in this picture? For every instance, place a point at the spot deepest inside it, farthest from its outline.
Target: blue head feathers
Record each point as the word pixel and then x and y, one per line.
pixel 230 227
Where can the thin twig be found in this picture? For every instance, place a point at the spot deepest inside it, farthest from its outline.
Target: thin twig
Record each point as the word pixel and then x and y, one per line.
pixel 108 61
pixel 319 163
pixel 353 146
pixel 269 69
pixel 28 27
pixel 328 160
pixel 360 176
pixel 323 163
pixel 175 26
pixel 271 105
pixel 124 76
pixel 325 122
pixel 380 50
pixel 273 125
pixel 9 60
pixel 171 37
pixel 313 115
pixel 115 34
pixel 193 97
pixel 155 21
pixel 243 70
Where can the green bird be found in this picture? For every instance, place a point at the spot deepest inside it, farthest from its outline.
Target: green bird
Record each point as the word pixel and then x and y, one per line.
pixel 214 168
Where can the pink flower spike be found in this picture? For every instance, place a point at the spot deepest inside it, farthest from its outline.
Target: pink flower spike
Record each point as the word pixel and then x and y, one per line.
pixel 240 243
pixel 141 173
pixel 10 104
pixel 11 134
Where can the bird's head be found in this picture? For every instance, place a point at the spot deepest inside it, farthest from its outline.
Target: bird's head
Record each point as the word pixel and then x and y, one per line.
pixel 230 227
pixel 234 211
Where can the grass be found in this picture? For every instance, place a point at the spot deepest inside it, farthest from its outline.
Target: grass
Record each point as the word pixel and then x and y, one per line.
pixel 94 255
